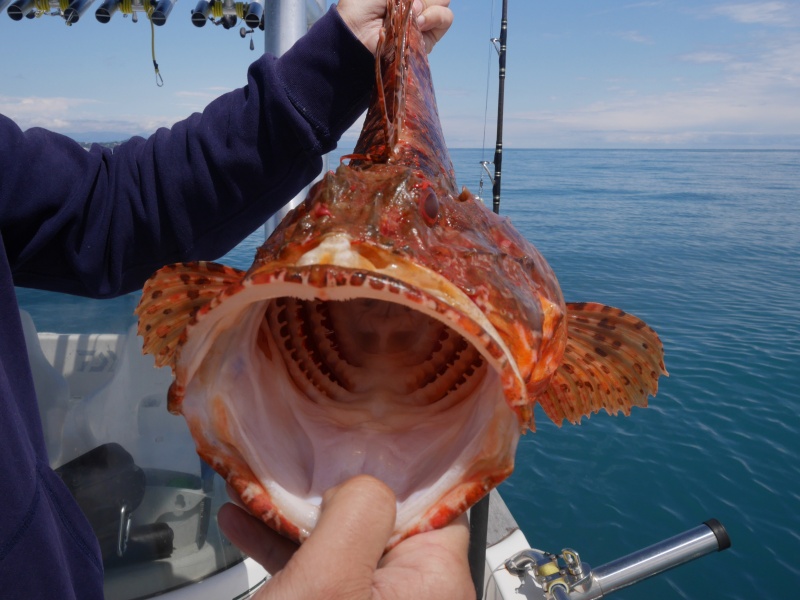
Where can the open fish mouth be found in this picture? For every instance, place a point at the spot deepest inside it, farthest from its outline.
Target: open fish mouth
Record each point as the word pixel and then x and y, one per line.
pixel 333 370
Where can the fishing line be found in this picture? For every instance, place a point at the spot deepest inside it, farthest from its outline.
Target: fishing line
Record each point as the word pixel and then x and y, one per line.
pixel 150 11
pixel 486 103
pixel 126 8
pixel 488 75
pixel 490 578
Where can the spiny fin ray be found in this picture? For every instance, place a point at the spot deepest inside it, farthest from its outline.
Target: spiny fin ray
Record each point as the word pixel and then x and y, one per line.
pixel 612 361
pixel 171 299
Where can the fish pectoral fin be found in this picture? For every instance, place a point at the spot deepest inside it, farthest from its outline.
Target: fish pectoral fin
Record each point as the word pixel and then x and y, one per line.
pixel 171 300
pixel 612 361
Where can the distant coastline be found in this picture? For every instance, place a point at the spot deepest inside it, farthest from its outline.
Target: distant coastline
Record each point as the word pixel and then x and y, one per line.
pixel 112 140
pixel 87 145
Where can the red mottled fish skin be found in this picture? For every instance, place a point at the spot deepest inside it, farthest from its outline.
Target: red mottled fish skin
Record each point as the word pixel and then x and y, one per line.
pixel 402 197
pixel 390 226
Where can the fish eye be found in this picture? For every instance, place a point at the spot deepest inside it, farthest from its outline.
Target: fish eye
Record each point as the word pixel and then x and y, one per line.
pixel 429 205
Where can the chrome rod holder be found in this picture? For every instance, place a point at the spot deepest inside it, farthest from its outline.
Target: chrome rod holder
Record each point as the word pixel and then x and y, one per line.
pixel 565 577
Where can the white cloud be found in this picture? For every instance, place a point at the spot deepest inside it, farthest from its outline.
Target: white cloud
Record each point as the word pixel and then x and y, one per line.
pixel 706 57
pixel 634 36
pixel 46 112
pixel 767 13
pixel 753 102
pixel 203 95
pixel 70 115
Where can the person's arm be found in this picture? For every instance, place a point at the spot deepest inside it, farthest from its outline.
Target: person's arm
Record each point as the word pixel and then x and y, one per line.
pixel 343 558
pixel 99 223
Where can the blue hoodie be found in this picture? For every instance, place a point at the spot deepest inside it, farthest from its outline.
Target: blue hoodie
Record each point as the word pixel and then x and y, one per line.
pixel 98 223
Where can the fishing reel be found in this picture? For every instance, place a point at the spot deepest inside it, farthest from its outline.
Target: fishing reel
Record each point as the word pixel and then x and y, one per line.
pixel 556 574
pixel 566 577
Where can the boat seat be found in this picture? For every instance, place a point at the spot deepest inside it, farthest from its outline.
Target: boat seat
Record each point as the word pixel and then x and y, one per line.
pixel 131 410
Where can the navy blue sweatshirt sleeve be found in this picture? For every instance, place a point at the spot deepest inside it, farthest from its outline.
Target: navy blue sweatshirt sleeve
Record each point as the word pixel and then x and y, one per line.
pixel 99 223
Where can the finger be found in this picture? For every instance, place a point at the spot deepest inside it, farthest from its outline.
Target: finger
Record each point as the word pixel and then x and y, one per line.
pixel 436 19
pixel 364 20
pixel 355 523
pixel 434 23
pixel 255 538
pixel 420 6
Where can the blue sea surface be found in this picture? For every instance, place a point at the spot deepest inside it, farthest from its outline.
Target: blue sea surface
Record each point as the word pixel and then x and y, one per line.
pixel 705 247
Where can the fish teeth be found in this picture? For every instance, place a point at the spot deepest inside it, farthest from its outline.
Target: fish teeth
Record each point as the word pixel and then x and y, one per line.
pixel 354 350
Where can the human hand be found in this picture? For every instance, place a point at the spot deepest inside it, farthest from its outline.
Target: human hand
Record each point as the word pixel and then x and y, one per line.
pixel 343 558
pixel 365 19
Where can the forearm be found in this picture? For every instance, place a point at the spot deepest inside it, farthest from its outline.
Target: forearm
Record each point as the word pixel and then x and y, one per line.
pixel 98 223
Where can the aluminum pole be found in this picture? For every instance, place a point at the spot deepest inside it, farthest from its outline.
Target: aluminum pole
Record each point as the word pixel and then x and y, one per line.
pixel 709 537
pixel 285 22
pixel 660 557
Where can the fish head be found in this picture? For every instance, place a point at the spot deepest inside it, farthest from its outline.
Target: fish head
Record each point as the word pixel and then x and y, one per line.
pixel 391 326
pixel 372 335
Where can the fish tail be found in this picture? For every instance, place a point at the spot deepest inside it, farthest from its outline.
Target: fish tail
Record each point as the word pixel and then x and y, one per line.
pixel 394 107
pixel 612 361
pixel 402 125
pixel 171 300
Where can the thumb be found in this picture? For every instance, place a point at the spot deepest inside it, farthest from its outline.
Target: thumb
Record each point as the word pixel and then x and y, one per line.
pixel 339 558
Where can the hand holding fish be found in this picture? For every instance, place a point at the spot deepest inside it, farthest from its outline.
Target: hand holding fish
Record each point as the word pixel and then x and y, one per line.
pixel 365 19
pixel 343 557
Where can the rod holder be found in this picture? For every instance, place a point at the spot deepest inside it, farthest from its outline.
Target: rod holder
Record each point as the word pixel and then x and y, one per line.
pixel 704 539
pixel 75 10
pixel 255 12
pixel 106 10
pixel 578 581
pixel 19 9
pixel 200 13
pixel 161 11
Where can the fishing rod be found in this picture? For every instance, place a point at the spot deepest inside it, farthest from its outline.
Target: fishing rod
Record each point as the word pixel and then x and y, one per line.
pixel 500 46
pixel 479 513
pixel 498 148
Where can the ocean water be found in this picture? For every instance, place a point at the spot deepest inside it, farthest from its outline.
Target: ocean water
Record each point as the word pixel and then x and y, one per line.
pixel 705 247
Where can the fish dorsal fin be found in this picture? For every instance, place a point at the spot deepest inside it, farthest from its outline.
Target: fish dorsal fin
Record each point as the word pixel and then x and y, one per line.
pixel 386 113
pixel 171 300
pixel 402 124
pixel 612 361
pixel 390 86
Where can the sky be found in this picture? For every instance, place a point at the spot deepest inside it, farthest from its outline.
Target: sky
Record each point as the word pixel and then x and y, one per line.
pixel 580 74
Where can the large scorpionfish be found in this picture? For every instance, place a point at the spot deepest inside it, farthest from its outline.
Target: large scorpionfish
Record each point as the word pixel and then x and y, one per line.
pixel 392 325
